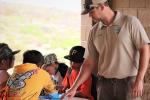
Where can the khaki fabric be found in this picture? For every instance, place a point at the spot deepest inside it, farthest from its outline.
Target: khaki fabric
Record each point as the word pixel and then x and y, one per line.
pixel 116 47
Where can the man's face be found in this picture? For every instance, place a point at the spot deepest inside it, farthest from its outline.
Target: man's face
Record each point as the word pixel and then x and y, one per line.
pixel 96 13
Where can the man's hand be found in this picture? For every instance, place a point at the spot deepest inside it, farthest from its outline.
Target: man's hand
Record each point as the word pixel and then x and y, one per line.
pixel 137 89
pixel 69 94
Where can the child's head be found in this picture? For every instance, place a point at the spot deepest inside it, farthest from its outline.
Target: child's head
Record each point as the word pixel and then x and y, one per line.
pixel 6 56
pixel 50 59
pixel 76 56
pixel 33 56
pixel 50 63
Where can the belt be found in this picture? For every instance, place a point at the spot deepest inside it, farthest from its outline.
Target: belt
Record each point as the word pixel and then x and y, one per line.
pixel 101 78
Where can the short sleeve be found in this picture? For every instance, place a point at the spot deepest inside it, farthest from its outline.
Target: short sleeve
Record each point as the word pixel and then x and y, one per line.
pixel 138 34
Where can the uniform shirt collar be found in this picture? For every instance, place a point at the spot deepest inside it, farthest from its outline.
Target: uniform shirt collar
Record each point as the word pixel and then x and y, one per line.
pixel 116 22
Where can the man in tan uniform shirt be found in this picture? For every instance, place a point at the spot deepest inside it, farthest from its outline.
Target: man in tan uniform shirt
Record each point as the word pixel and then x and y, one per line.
pixel 118 46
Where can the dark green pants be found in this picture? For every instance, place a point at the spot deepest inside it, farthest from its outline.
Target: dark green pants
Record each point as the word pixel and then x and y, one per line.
pixel 115 89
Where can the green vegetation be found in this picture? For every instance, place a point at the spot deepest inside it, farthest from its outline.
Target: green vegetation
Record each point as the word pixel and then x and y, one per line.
pixel 47 30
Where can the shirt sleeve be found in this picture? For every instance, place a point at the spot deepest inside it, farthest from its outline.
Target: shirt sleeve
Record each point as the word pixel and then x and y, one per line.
pixel 138 34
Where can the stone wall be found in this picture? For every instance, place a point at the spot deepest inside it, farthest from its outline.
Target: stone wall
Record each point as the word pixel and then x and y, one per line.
pixel 138 8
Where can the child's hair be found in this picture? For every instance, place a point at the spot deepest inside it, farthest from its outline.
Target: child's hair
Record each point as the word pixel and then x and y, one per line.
pixel 33 56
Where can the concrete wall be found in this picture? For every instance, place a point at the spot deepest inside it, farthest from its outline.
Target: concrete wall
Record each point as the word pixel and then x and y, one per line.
pixel 138 8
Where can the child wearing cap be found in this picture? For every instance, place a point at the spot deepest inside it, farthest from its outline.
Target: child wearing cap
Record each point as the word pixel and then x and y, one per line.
pixel 6 62
pixel 54 68
pixel 76 59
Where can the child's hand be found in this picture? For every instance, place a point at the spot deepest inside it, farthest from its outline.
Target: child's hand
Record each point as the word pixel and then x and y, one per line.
pixel 61 91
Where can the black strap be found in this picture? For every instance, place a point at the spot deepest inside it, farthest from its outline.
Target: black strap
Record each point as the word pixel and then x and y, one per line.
pixel 69 72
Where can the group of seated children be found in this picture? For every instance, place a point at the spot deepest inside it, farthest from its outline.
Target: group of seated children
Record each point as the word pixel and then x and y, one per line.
pixel 39 75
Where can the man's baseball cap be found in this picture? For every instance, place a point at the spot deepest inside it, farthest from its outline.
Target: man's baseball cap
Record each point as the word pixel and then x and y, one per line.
pixel 76 54
pixel 49 59
pixel 90 4
pixel 6 52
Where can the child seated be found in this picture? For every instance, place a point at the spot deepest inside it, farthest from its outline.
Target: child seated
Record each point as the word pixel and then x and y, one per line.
pixel 76 59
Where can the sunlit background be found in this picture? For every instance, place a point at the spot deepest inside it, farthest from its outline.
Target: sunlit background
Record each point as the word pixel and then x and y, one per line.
pixel 50 26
